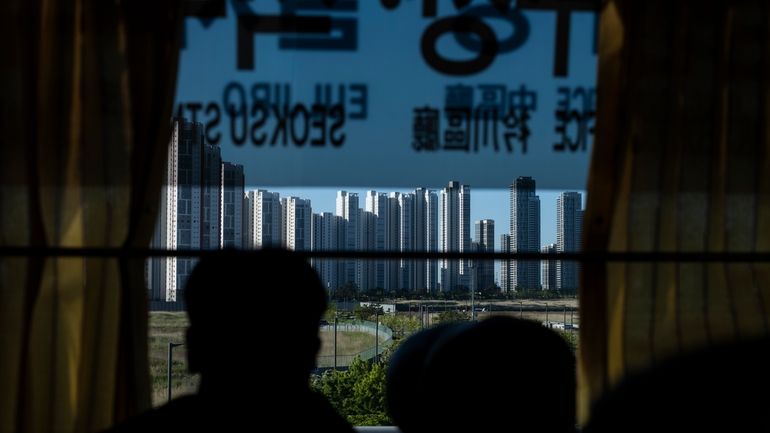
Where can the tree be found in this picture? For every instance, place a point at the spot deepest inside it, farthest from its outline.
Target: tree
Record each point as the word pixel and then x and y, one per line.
pixel 368 312
pixel 358 394
pixel 401 324
pixel 369 394
pixel 491 292
pixel 331 312
pixel 348 290
pixel 536 294
pixel 453 316
pixel 570 337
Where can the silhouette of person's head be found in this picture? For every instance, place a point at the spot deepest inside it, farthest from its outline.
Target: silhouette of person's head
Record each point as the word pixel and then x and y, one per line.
pixel 498 374
pixel 405 371
pixel 723 388
pixel 253 336
pixel 252 314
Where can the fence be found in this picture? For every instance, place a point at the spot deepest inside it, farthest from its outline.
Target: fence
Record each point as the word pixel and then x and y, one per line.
pixel 383 333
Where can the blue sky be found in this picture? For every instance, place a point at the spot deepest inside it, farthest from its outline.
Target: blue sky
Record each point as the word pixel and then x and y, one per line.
pixel 388 69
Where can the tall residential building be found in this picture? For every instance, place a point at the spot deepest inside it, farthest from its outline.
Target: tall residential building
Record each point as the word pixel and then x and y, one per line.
pixel 245 218
pixel 368 239
pixel 377 204
pixel 327 235
pixel 525 234
pixel 231 206
pixel 431 240
pixel 393 266
pixel 316 244
pixel 454 226
pixel 185 183
pixel 425 220
pixel 406 281
pixel 403 222
pixel 465 232
pixel 349 209
pixel 485 240
pixel 549 268
pixel 189 216
pixel 263 224
pixel 284 221
pixel 299 215
pixel 473 270
pixel 569 228
pixel 154 268
pixel 211 196
pixel 505 265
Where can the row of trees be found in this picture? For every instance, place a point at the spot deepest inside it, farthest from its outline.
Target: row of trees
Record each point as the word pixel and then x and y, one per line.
pixel 350 291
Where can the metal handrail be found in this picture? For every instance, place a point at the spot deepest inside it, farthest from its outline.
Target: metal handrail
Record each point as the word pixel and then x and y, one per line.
pixel 585 256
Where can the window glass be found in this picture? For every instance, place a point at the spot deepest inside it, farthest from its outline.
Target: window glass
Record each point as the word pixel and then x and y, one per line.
pixel 391 126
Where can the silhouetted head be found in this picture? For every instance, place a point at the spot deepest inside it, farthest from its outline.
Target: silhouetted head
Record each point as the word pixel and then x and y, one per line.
pixel 500 374
pixel 405 370
pixel 719 389
pixel 253 314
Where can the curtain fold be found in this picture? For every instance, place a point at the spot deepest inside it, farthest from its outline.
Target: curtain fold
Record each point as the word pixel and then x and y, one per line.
pixel 680 164
pixel 89 88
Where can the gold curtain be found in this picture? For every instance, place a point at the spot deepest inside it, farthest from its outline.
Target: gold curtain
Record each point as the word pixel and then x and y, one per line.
pixel 88 87
pixel 680 164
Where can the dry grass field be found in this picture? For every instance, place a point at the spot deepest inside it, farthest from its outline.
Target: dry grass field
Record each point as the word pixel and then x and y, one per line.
pixel 348 343
pixel 168 327
pixel 164 328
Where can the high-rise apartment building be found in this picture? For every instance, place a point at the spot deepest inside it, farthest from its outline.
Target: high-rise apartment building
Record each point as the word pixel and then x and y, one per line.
pixel 505 265
pixel 263 224
pixel 400 222
pixel 348 208
pixel 569 224
pixel 377 204
pixel 210 195
pixel 368 239
pixel 298 220
pixel 424 238
pixel 231 207
pixel 431 239
pixel 394 239
pixel 485 241
pixel 525 234
pixel 328 234
pixel 454 226
pixel 406 234
pixel 189 216
pixel 548 267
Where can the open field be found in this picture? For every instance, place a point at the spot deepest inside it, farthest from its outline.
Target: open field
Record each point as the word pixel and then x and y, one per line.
pixel 571 317
pixel 348 343
pixel 168 327
pixel 164 328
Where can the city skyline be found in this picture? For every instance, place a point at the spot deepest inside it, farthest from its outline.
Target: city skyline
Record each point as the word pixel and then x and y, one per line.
pixel 487 203
pixel 206 205
pixel 373 201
